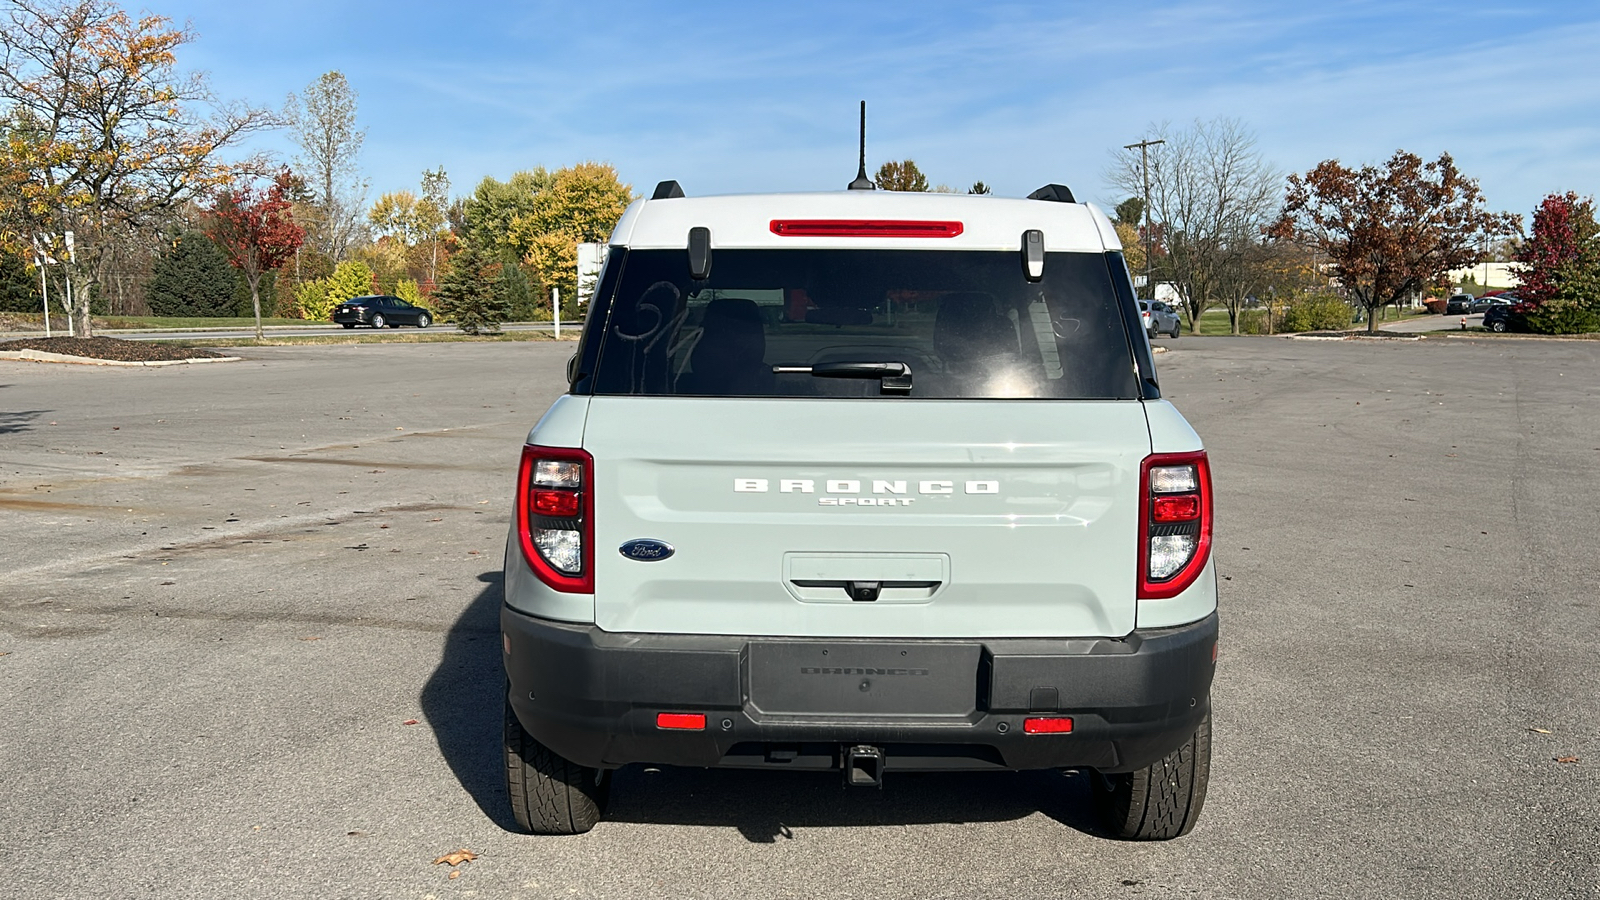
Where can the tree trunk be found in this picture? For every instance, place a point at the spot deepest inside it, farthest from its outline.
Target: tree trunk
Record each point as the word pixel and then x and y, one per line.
pixel 255 298
pixel 80 302
pixel 1372 319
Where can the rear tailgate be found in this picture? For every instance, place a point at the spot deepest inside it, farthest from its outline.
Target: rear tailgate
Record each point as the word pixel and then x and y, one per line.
pixel 959 518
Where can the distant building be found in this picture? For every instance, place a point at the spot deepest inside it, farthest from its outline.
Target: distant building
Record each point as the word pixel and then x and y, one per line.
pixel 590 258
pixel 1493 275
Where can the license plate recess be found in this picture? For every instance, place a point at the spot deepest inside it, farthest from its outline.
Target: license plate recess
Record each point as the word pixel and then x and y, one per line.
pixel 859 678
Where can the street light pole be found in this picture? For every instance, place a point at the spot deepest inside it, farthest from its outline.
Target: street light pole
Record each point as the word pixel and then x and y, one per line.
pixel 1144 168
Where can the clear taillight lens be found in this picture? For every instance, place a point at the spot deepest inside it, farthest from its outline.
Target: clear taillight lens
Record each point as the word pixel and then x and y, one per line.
pixel 1169 553
pixel 558 473
pixel 560 547
pixel 1174 479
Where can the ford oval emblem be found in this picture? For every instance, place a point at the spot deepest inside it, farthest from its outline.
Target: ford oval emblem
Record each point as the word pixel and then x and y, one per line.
pixel 646 550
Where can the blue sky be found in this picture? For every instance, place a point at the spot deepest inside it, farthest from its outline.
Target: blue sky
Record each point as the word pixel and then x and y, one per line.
pixel 749 96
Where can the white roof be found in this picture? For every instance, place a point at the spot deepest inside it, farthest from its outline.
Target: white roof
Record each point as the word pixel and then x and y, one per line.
pixel 745 220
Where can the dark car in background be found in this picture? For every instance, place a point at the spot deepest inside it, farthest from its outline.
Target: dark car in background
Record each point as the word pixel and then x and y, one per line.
pixel 1504 317
pixel 1489 301
pixel 380 311
pixel 1459 304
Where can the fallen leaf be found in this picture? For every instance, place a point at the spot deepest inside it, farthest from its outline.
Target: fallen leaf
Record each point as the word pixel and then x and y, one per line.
pixel 472 553
pixel 398 428
pixel 383 526
pixel 7 653
pixel 482 502
pixel 455 873
pixel 456 858
pixel 1566 759
pixel 435 520
pixel 311 637
pixel 409 722
pixel 168 582
pixel 1539 730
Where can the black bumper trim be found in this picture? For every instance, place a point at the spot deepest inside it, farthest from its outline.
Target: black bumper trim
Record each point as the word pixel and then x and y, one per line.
pixel 592 696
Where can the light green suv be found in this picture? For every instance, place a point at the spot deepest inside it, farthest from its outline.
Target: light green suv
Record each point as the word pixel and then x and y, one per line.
pixel 865 482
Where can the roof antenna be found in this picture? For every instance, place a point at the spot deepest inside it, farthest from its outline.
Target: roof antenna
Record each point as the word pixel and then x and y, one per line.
pixel 862 182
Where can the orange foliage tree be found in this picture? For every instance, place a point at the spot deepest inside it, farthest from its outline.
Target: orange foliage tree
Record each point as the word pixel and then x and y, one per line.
pixel 104 134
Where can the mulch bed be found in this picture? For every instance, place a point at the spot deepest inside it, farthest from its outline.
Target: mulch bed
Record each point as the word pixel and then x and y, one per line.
pixel 110 348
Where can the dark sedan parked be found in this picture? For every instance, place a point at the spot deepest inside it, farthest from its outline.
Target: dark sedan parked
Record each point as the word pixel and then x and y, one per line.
pixel 1504 318
pixel 380 311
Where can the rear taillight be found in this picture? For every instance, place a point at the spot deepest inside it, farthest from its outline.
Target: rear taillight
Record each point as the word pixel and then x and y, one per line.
pixel 1174 522
pixel 555 516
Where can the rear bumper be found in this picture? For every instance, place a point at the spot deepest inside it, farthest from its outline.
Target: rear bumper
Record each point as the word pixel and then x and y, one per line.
pixel 593 697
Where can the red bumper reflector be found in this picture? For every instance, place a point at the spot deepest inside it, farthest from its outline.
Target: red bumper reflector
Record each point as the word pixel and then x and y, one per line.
pixel 864 228
pixel 1182 508
pixel 1047 726
pixel 681 721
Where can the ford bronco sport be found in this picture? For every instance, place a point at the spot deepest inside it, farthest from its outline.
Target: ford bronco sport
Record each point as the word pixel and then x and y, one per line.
pixel 866 482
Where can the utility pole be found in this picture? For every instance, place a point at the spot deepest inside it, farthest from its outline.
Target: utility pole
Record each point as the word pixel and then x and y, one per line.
pixel 1144 167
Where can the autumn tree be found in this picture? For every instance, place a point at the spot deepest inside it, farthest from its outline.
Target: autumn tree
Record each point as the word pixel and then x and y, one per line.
pixel 901 176
pixel 493 205
pixel 1558 266
pixel 433 215
pixel 322 121
pixel 256 230
pixel 1393 230
pixel 1563 242
pixel 104 135
pixel 1211 194
pixel 581 205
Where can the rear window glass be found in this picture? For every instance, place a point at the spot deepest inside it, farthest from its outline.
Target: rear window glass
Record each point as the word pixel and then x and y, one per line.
pixel 966 324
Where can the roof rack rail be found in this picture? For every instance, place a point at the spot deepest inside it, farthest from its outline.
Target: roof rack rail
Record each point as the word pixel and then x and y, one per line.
pixel 667 190
pixel 1055 193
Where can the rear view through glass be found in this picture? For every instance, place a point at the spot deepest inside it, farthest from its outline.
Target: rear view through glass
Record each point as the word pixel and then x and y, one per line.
pixel 913 324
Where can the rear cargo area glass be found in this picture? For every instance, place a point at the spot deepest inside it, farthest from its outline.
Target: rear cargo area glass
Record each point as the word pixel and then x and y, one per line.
pixel 967 324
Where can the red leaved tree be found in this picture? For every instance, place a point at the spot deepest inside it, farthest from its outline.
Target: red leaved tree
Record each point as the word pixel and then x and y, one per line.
pixel 257 231
pixel 1563 233
pixel 1390 231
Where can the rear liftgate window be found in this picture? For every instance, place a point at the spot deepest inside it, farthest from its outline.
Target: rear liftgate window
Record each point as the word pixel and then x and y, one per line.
pixel 866 323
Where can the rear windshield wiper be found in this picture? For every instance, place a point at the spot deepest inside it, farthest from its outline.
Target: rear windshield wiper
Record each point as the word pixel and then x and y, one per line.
pixel 895 377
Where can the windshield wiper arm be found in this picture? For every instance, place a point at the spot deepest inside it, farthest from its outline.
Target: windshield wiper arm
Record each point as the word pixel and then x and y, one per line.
pixel 895 377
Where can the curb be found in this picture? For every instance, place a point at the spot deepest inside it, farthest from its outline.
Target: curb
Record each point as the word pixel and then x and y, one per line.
pixel 44 356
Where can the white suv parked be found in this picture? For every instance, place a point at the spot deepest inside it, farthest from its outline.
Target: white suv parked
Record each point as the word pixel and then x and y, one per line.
pixel 867 482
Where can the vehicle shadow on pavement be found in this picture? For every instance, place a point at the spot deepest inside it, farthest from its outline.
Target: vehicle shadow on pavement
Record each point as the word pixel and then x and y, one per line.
pixel 463 702
pixel 767 807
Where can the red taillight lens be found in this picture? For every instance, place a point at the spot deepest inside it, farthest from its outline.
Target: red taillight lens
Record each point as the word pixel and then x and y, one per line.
pixel 560 504
pixel 1175 529
pixel 1175 509
pixel 555 516
pixel 1050 725
pixel 681 721
pixel 864 228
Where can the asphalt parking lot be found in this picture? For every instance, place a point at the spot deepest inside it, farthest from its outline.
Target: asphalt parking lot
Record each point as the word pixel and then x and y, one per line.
pixel 226 590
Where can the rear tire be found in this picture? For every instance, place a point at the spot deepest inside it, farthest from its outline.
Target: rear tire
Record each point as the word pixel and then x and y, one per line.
pixel 549 794
pixel 1498 327
pixel 1163 800
pixel 377 321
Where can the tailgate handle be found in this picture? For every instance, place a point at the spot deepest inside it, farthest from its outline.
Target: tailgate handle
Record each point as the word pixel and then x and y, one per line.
pixel 863 591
